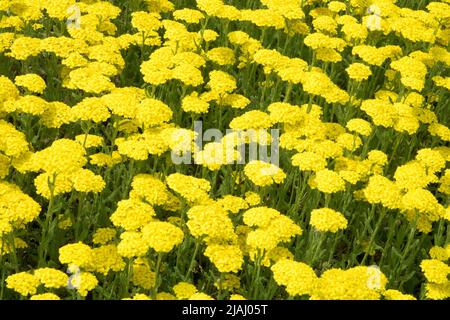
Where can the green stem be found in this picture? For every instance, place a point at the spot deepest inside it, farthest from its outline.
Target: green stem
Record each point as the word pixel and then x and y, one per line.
pixel 256 275
pixel 316 248
pixel 374 234
pixel 157 275
pixel 191 264
pixel 288 92
pixel 43 243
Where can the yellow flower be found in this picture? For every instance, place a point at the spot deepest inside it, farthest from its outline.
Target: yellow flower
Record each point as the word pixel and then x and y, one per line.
pixel 440 130
pixel 85 180
pixel 337 6
pixel 188 74
pixel 264 174
pixel 298 278
pixel 51 278
pixel 376 56
pixel 237 297
pixel 412 72
pixel 78 254
pixel 209 35
pixel 358 283
pixel 377 157
pixel 221 55
pixel 349 141
pixel 138 296
pixel 286 113
pixel 23 283
pixel 435 271
pixel 192 189
pixel 431 159
pixel 6 246
pixel 221 82
pixel 17 208
pixel 251 120
pixel 56 114
pixel 397 295
pixel 326 219
pixel 319 40
pixel 132 214
pixel 89 140
pixel 359 126
pixel 184 290
pixel 309 161
pixel 152 112
pixel 382 190
pixel 25 47
pixel 45 296
pixel 413 175
pixel 162 236
pixel 32 82
pixel 103 235
pixel 132 244
pixel 232 204
pixel 93 109
pixel 212 223
pixel 188 15
pixel 327 181
pixel 165 296
pixel 440 253
pixel 325 24
pixel 273 228
pixel 150 189
pixel 358 71
pixel 252 198
pixel 200 296
pixel 260 216
pixel 145 22
pixel 193 103
pixel 226 258
pixel 84 282
pixel 106 258
pixel 229 282
pixel 236 101
pixel 143 276
pixel 436 291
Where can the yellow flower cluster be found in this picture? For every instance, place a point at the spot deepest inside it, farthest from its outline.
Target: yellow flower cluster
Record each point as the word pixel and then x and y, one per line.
pixel 358 71
pixel 192 189
pixel 7 247
pixel 32 82
pixel 226 258
pixel 23 283
pixel 162 236
pixel 264 174
pixel 408 192
pixel 436 271
pixel 143 276
pixel 97 98
pixel 326 219
pixel 184 290
pixel 211 223
pixel 17 209
pixel 271 229
pixel 298 278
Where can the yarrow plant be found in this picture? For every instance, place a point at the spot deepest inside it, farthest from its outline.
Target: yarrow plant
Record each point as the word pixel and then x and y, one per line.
pixel 211 149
